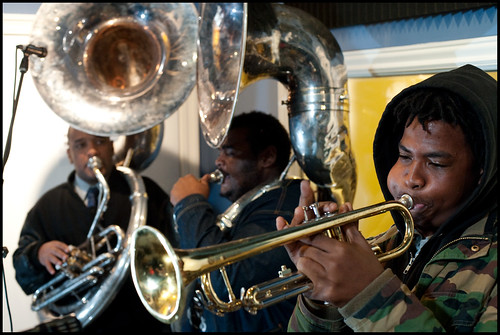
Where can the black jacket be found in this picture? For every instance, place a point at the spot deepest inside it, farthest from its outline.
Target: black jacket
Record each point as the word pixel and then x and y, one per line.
pixel 61 215
pixel 196 222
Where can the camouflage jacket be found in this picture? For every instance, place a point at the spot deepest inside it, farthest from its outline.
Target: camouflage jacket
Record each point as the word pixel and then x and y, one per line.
pixel 457 291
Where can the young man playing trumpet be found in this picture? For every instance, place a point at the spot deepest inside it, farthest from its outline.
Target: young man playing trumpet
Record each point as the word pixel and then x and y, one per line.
pixel 436 141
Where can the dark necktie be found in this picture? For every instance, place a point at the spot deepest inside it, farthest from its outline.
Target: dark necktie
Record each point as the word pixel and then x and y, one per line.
pixel 92 197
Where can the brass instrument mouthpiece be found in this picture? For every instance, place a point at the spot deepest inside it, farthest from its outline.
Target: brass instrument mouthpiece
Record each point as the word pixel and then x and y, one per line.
pixel 406 200
pixel 216 177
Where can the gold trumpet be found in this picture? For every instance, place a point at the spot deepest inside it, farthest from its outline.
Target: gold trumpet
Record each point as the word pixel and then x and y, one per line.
pixel 162 273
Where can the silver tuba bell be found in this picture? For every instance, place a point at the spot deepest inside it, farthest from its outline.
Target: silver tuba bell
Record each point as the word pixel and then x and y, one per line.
pixel 117 70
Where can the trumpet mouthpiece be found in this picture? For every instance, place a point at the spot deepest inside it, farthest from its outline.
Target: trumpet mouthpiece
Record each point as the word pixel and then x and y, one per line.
pixel 406 200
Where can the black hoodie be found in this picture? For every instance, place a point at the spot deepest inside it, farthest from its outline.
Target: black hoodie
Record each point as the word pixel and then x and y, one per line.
pixel 479 90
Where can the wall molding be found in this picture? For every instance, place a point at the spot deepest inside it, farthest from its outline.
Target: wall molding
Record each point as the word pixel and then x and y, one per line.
pixel 18 24
pixel 423 58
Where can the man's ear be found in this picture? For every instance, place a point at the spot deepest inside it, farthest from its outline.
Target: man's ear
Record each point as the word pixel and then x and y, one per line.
pixel 268 156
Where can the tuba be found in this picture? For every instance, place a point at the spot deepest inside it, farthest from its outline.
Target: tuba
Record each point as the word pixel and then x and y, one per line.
pixel 240 44
pixel 88 280
pixel 117 70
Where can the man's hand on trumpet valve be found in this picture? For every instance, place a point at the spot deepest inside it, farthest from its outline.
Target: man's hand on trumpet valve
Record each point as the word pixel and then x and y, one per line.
pixel 345 268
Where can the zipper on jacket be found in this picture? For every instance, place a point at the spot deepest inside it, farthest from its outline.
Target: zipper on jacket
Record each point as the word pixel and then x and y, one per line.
pixel 409 264
pixel 459 239
pixel 412 258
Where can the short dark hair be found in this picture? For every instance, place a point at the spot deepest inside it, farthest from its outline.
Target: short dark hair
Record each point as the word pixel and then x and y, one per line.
pixel 432 104
pixel 265 130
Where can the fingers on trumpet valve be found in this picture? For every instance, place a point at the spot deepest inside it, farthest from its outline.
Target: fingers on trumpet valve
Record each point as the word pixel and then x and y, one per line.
pixel 317 210
pixel 310 212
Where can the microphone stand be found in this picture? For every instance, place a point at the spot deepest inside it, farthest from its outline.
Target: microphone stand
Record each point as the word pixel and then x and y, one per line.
pixel 23 68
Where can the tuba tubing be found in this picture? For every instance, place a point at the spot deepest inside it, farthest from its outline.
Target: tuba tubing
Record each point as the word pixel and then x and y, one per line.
pixel 95 164
pixel 43 297
pixel 103 283
pixel 275 41
pixel 161 273
pixel 225 220
pixel 116 278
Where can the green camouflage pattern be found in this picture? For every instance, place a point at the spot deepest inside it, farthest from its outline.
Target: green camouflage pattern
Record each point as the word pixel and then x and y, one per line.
pixel 457 290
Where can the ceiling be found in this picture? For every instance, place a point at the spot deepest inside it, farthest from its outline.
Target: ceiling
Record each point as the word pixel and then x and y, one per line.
pixel 336 15
pixel 342 14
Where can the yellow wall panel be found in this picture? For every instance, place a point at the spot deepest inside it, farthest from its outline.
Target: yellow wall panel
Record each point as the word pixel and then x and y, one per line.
pixel 367 100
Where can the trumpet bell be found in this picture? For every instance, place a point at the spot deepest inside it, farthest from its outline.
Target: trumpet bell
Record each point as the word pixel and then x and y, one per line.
pixel 156 270
pixel 115 68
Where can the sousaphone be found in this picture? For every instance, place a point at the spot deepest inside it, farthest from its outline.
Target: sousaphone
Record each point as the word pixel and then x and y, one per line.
pixel 241 44
pixel 117 70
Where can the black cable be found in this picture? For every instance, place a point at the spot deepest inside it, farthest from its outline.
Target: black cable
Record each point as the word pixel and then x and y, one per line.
pixel 5 251
pixel 23 68
pixel 6 156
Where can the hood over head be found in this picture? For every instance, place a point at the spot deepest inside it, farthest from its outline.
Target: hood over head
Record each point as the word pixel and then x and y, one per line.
pixel 479 90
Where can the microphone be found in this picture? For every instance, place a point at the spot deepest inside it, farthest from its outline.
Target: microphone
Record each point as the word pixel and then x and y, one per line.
pixel 30 49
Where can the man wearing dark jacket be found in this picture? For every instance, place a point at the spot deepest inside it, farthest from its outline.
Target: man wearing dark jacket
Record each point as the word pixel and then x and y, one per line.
pixel 437 142
pixel 63 216
pixel 252 157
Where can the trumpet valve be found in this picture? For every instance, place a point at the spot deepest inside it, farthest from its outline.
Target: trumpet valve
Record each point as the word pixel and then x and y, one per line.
pixel 314 208
pixel 285 271
pixel 334 232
